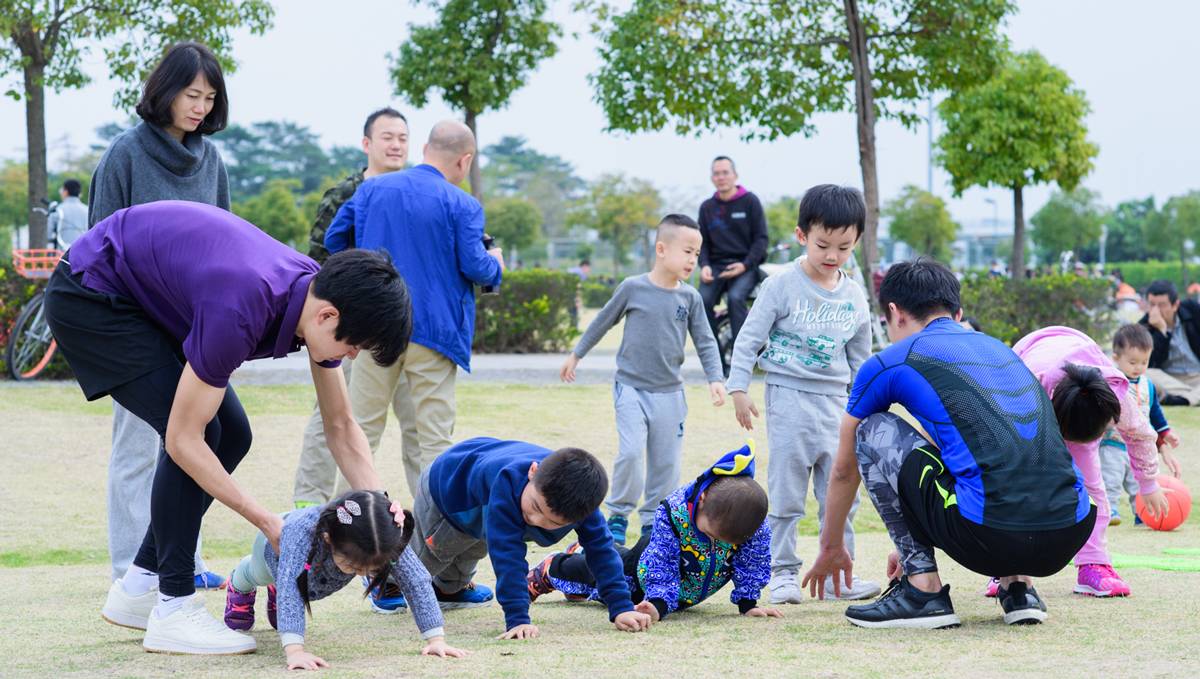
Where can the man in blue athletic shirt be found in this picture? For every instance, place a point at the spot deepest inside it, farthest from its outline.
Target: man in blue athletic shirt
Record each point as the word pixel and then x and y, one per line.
pixel 989 482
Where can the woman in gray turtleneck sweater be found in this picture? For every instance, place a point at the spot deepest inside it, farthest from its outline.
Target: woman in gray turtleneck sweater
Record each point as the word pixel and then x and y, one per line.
pixel 165 157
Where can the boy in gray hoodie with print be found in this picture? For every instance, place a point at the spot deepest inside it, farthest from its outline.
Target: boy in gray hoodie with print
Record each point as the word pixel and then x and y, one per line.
pixel 809 331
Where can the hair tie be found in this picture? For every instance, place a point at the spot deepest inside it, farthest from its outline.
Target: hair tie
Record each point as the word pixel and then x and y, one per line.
pixel 346 509
pixel 308 566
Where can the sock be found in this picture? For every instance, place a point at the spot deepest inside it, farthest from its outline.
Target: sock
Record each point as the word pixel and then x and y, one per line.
pixel 138 581
pixel 168 604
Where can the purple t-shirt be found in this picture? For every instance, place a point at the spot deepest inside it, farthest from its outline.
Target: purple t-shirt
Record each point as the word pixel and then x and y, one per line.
pixel 227 291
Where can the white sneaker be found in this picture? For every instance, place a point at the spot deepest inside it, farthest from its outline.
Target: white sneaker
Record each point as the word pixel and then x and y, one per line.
pixel 784 589
pixel 859 589
pixel 193 630
pixel 126 610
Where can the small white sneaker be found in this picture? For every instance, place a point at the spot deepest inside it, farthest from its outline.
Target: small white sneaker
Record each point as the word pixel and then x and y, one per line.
pixel 784 589
pixel 193 630
pixel 125 610
pixel 859 589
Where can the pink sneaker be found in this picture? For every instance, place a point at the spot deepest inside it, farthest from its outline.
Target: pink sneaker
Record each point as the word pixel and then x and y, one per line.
pixel 993 588
pixel 1100 580
pixel 239 609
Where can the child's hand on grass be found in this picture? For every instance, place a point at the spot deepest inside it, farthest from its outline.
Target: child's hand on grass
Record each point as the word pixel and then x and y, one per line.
pixel 300 659
pixel 633 621
pixel 567 372
pixel 647 608
pixel 1171 462
pixel 525 631
pixel 743 408
pixel 717 391
pixel 438 646
pixel 760 612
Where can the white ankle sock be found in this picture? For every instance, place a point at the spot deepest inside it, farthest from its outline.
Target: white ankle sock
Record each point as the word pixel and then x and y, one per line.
pixel 138 581
pixel 168 604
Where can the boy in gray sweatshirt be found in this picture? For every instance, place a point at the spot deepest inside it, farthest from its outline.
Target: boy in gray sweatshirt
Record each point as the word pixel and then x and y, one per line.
pixel 659 309
pixel 811 324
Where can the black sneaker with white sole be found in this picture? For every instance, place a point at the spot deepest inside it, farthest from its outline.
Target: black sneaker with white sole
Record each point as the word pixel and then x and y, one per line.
pixel 903 605
pixel 1021 604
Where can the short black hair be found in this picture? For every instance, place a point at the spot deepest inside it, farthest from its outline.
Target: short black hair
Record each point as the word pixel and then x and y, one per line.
pixel 72 187
pixel 922 287
pixel 375 311
pixel 585 262
pixel 573 482
pixel 1163 287
pixel 732 165
pixel 386 111
pixel 833 207
pixel 1084 405
pixel 736 506
pixel 1132 336
pixel 182 63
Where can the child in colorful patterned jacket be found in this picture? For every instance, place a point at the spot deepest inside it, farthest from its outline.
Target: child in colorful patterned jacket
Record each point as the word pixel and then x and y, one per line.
pixel 705 534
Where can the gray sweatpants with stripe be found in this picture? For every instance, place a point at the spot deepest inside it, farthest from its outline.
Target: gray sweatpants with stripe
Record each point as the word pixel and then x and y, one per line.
pixel 649 452
pixel 802 440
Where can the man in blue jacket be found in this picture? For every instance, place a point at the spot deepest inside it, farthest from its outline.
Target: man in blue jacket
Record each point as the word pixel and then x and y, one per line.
pixel 434 233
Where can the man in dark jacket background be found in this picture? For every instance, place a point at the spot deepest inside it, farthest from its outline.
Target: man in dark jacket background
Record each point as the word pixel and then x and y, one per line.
pixel 1174 326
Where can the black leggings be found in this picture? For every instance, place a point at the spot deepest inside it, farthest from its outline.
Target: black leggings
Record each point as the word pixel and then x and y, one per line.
pixel 574 566
pixel 177 503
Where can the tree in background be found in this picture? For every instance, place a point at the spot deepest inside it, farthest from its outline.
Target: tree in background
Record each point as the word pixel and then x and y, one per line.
pixel 1176 228
pixel 279 149
pixel 475 55
pixel 515 222
pixel 47 43
pixel 771 65
pixel 782 217
pixel 1069 221
pixel 511 168
pixel 274 210
pixel 1127 225
pixel 921 220
pixel 14 179
pixel 621 210
pixel 1023 127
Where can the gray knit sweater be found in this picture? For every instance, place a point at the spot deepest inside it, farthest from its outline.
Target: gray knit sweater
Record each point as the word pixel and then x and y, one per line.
pixel 324 578
pixel 145 164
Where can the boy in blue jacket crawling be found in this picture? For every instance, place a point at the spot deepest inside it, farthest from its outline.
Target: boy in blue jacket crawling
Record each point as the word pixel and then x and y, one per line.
pixel 487 497
pixel 705 534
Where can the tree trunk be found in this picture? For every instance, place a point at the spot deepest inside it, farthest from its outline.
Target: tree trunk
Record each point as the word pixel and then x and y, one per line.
pixel 1017 266
pixel 476 176
pixel 35 141
pixel 864 107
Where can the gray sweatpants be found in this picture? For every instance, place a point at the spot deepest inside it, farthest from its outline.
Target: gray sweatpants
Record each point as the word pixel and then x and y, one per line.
pixel 802 440
pixel 649 425
pixel 1118 477
pixel 449 555
pixel 135 448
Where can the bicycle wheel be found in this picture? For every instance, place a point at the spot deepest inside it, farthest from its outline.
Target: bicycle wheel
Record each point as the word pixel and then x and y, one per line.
pixel 30 345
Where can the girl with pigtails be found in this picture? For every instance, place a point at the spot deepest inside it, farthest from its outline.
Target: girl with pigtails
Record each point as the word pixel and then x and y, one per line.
pixel 321 550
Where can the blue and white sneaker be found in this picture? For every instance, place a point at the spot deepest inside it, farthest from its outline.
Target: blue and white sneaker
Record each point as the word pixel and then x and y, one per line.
pixel 471 596
pixel 209 580
pixel 388 599
pixel 618 526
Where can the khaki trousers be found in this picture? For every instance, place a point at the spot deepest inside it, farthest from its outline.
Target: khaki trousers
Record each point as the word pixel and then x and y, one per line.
pixel 1187 386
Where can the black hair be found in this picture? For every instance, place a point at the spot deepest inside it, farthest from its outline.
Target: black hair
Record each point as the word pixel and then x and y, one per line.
pixel 1132 336
pixel 1084 404
pixel 1163 287
pixel 573 482
pixel 970 320
pixel 386 111
pixel 736 506
pixel 72 187
pixel 182 63
pixel 833 207
pixel 922 287
pixel 732 165
pixel 370 539
pixel 585 262
pixel 675 219
pixel 375 312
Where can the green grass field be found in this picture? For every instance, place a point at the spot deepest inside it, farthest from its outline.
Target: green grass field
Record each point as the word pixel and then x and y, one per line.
pixel 53 564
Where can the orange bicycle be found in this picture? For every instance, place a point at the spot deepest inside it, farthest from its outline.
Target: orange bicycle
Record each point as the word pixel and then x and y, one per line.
pixel 30 343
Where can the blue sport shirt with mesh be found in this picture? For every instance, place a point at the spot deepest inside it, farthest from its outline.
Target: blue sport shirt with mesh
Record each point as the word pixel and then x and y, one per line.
pixel 991 420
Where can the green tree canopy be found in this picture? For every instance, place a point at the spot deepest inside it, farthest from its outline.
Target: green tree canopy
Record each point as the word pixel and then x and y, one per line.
pixel 621 210
pixel 921 220
pixel 47 43
pixel 1023 127
pixel 1069 221
pixel 279 149
pixel 475 55
pixel 512 168
pixel 14 178
pixel 1177 228
pixel 1127 225
pixel 516 223
pixel 782 217
pixel 274 210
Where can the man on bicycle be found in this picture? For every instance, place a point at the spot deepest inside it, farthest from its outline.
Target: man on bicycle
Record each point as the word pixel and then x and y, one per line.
pixel 734 228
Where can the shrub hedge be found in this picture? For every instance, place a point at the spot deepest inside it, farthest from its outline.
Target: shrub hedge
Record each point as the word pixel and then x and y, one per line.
pixel 531 313
pixel 1010 309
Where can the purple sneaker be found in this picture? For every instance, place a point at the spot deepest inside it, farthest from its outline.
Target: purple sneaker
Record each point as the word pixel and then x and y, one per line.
pixel 239 609
pixel 272 610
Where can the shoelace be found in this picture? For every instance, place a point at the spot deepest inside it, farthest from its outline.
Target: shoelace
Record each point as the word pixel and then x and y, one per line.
pixel 200 617
pixel 239 608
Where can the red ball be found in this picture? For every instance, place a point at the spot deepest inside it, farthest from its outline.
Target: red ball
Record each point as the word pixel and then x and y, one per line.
pixel 1179 501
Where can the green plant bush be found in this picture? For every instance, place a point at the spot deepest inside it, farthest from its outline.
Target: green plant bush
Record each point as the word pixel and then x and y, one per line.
pixel 596 294
pixel 1010 309
pixel 1141 274
pixel 531 313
